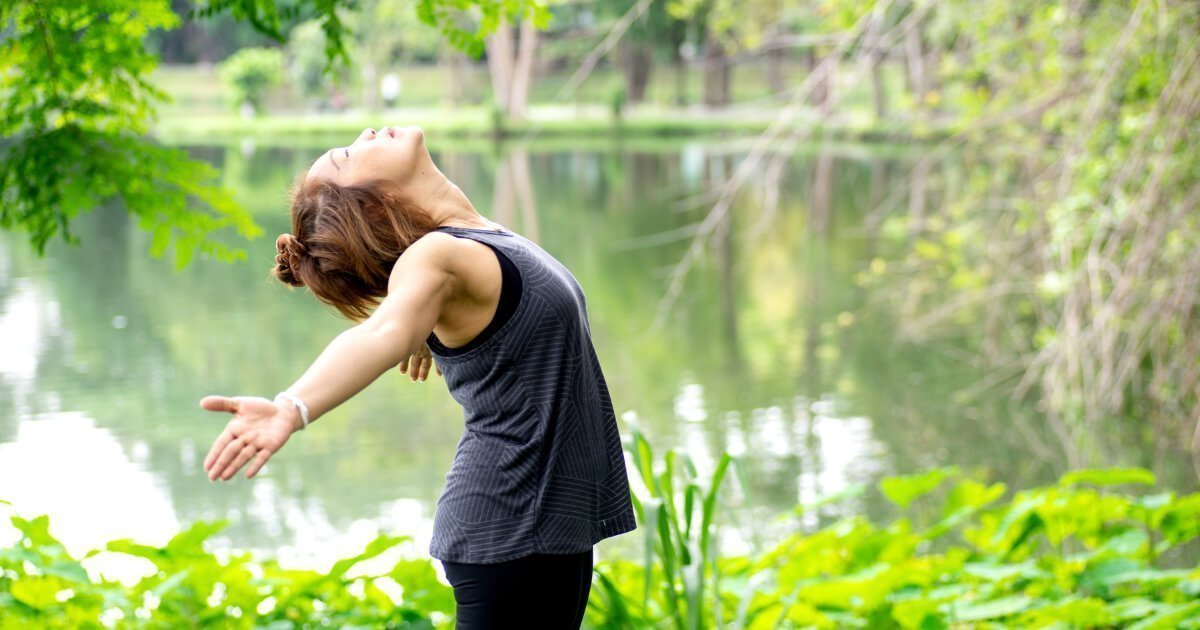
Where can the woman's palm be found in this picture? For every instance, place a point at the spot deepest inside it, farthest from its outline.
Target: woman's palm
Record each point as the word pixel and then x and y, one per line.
pixel 257 430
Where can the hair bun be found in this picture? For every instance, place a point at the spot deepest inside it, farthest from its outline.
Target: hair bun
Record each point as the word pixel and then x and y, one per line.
pixel 287 259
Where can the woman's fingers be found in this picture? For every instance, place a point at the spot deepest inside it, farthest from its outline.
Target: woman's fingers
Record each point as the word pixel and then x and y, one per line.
pixel 224 454
pixel 219 445
pixel 260 459
pixel 425 368
pixel 417 366
pixel 220 403
pixel 247 451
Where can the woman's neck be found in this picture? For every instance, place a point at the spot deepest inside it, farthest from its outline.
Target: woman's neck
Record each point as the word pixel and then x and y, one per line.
pixel 448 205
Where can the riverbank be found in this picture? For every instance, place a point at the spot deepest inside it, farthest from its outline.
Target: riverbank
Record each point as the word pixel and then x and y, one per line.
pixel 572 120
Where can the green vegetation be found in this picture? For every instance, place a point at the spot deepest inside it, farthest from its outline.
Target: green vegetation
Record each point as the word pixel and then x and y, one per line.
pixel 1080 553
pixel 77 104
pixel 249 73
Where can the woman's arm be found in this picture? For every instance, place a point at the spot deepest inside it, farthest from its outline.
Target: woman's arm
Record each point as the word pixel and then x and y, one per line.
pixel 420 285
pixel 395 331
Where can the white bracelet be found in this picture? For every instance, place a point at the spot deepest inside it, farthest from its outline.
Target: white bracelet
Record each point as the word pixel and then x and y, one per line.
pixel 298 404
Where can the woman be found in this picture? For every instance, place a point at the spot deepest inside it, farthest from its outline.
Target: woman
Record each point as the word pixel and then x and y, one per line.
pixel 539 477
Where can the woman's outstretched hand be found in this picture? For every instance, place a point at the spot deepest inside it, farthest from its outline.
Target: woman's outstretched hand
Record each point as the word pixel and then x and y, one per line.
pixel 257 430
pixel 417 366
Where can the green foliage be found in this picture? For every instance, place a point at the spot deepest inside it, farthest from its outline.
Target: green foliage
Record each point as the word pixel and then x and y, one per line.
pixel 249 73
pixel 905 489
pixel 75 105
pixel 44 586
pixel 275 21
pixel 679 527
pixel 464 23
pixel 1064 555
pixel 445 15
pixel 307 60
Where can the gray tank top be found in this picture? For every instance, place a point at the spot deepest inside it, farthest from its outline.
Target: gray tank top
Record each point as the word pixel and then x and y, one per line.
pixel 539 467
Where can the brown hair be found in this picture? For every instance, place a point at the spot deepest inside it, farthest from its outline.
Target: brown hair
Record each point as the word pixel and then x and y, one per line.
pixel 345 241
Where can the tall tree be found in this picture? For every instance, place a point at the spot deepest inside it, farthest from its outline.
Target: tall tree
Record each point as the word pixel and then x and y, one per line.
pixel 510 63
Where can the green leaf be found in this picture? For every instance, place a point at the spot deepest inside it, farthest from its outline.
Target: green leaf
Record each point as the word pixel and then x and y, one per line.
pixel 1168 617
pixel 998 572
pixel 1132 608
pixel 1109 477
pixel 1107 572
pixel 190 542
pixel 903 490
pixel 994 609
pixel 36 591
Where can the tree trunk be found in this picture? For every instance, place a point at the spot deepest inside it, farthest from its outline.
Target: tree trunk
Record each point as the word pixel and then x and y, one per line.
pixel 511 71
pixel 523 70
pixel 680 69
pixel 916 65
pixel 499 46
pixel 819 93
pixel 452 68
pixel 636 60
pixel 775 57
pixel 879 91
pixel 716 73
pixel 370 85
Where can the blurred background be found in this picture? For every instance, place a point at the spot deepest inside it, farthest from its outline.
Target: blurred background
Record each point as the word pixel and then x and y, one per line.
pixel 847 239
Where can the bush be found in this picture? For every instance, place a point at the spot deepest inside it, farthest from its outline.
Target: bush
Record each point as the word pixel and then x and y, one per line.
pixel 249 73
pixel 1084 552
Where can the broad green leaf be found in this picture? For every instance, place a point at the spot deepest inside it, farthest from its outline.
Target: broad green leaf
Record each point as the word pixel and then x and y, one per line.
pixel 1168 617
pixel 997 572
pixel 903 490
pixel 1109 477
pixel 993 609
pixel 37 591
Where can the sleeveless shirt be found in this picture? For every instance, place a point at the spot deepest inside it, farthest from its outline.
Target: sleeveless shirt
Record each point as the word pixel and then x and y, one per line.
pixel 539 467
pixel 510 294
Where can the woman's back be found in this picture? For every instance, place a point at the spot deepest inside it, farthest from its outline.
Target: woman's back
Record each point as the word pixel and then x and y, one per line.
pixel 539 467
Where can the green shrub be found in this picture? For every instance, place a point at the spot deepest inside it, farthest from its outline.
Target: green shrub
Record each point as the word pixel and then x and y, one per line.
pixel 1085 552
pixel 1075 554
pixel 249 73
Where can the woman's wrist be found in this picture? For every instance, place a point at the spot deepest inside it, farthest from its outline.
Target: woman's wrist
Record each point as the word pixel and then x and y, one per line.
pixel 291 412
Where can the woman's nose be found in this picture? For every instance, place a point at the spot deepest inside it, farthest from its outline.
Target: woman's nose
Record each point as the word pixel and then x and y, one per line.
pixel 367 134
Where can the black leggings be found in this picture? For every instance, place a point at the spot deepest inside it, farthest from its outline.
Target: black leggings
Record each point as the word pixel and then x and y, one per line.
pixel 537 591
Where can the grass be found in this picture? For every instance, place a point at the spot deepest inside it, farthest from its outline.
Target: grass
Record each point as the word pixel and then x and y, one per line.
pixel 199 112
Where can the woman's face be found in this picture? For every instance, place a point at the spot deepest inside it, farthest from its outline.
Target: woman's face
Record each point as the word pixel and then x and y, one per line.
pixel 397 154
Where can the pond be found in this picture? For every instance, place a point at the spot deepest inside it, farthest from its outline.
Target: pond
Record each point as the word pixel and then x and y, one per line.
pixel 771 345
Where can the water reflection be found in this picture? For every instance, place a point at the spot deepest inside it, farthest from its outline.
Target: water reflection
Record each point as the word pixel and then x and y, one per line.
pixel 62 464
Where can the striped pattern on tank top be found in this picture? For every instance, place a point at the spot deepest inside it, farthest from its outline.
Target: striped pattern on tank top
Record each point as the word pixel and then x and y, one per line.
pixel 539 467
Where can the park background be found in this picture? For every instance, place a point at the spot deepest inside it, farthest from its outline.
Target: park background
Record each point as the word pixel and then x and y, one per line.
pixel 907 290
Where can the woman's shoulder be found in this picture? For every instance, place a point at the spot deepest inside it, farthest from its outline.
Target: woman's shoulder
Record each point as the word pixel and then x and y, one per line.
pixel 442 253
pixel 434 253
